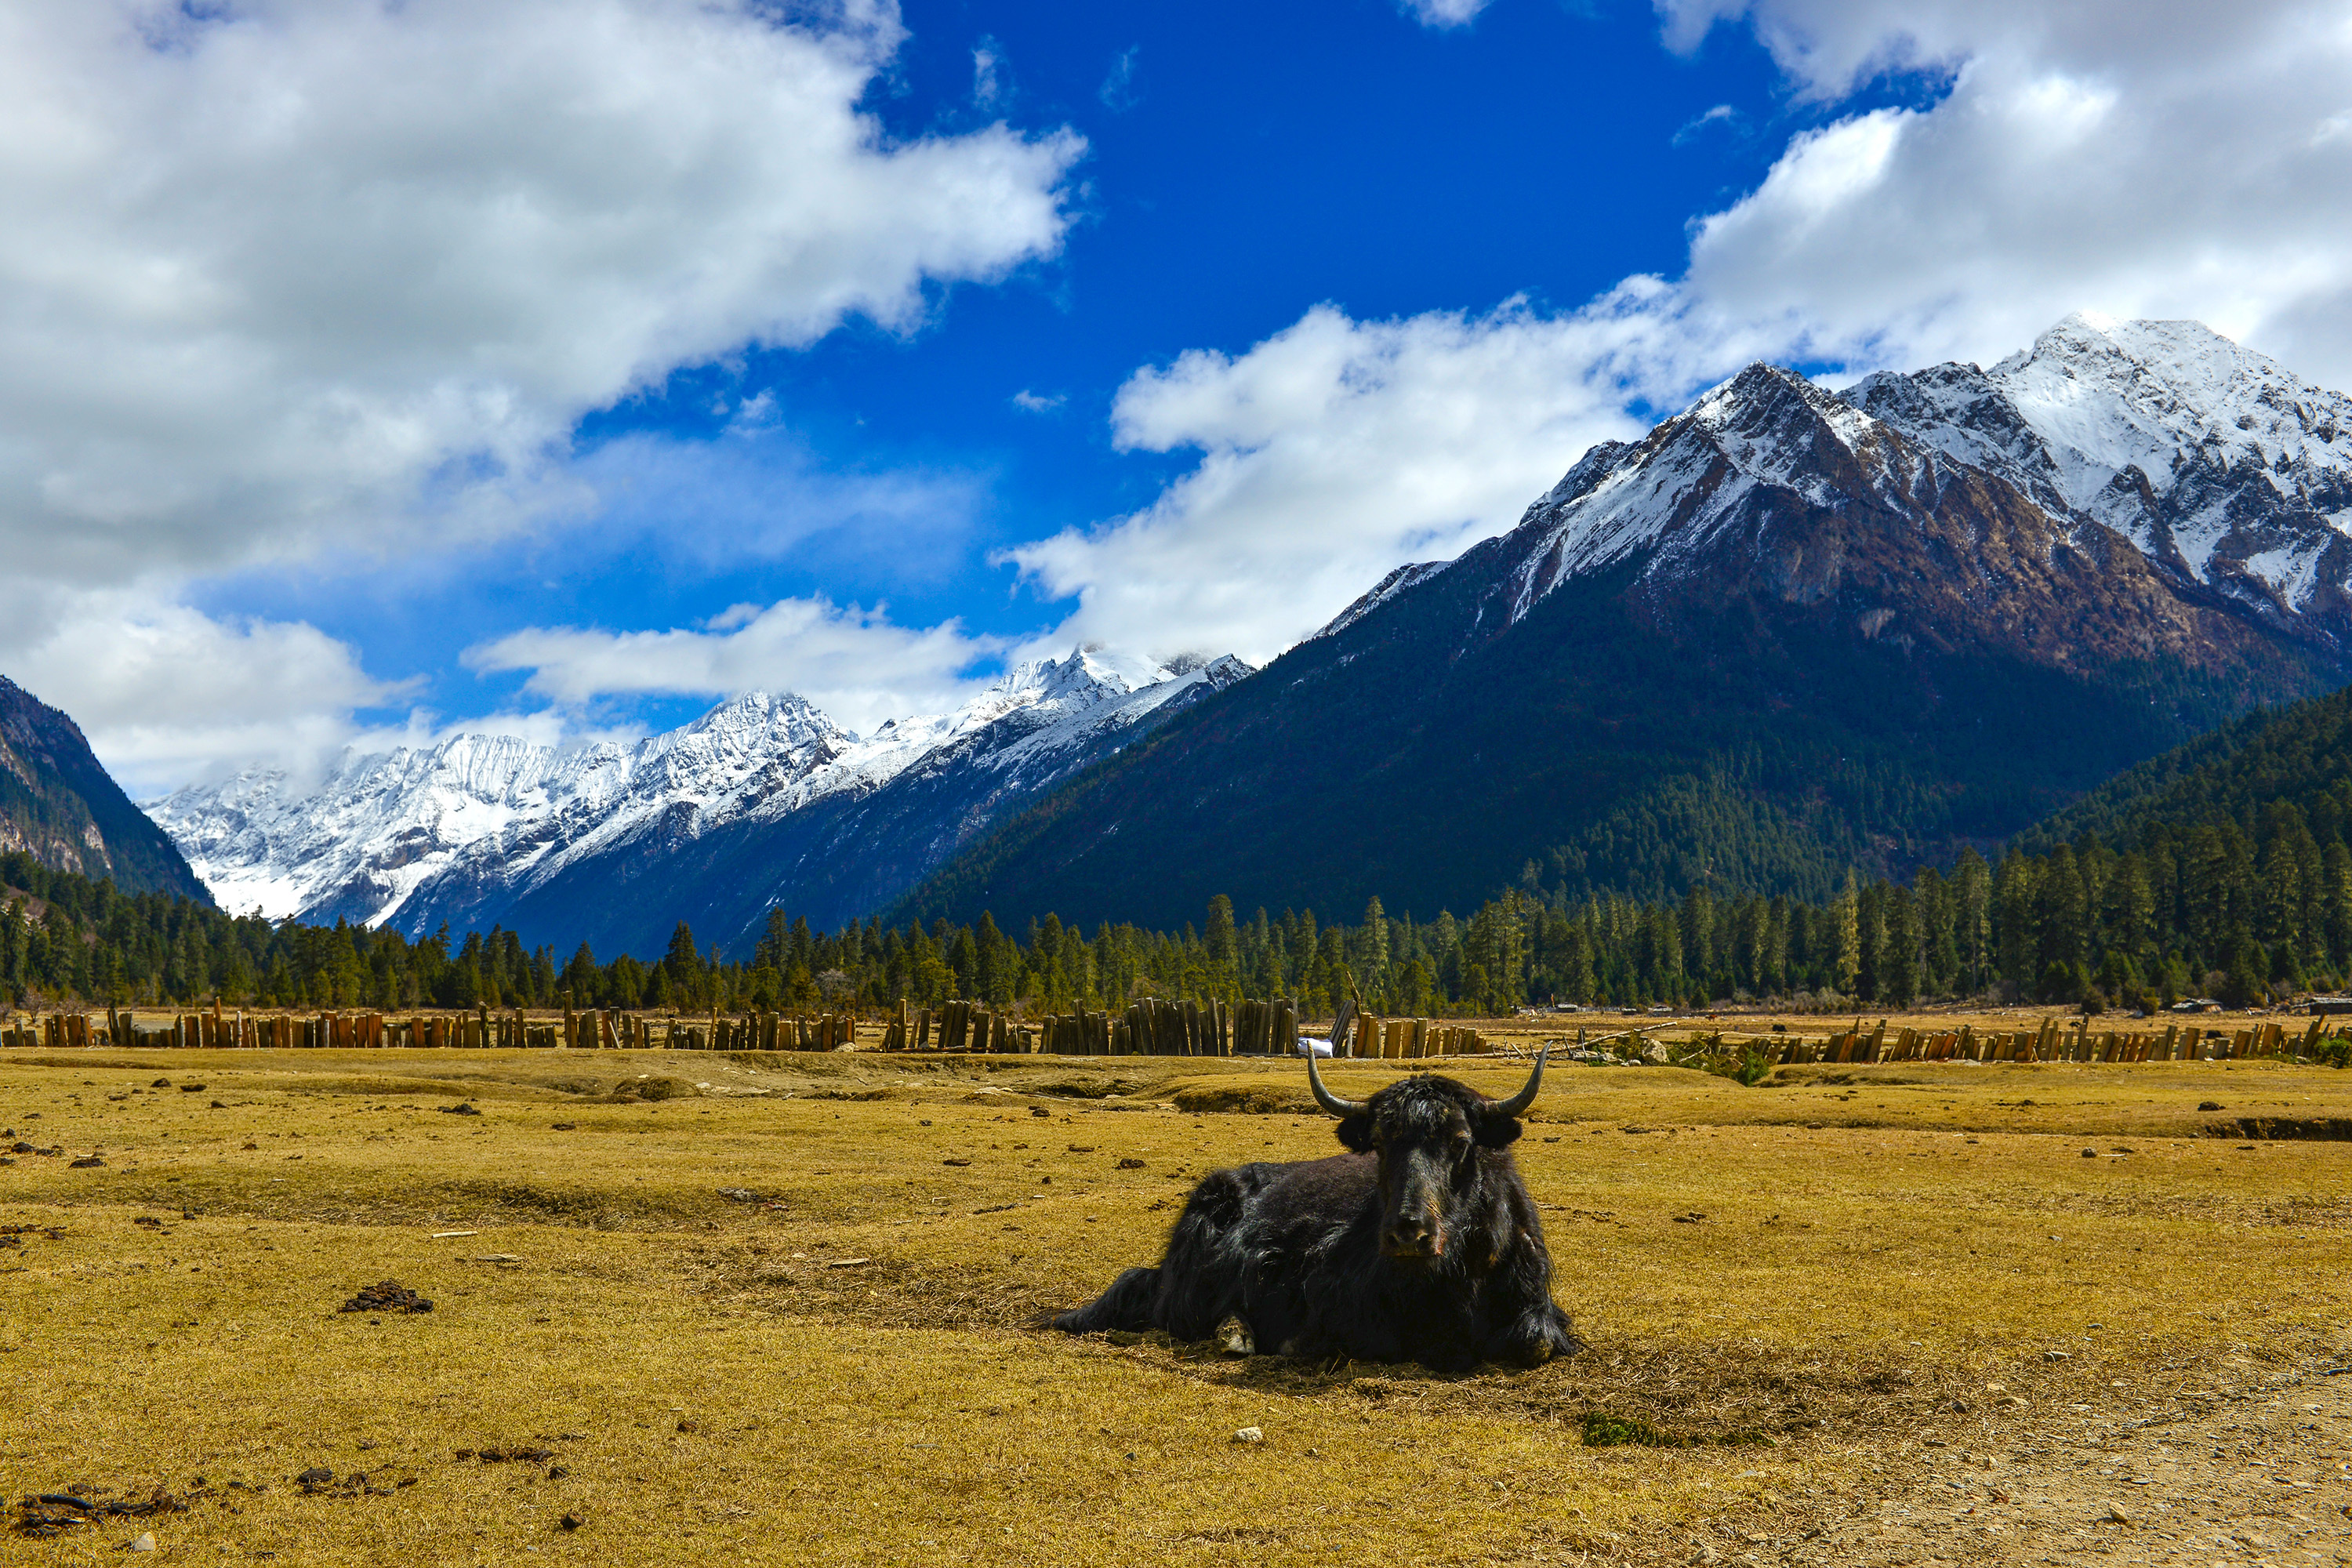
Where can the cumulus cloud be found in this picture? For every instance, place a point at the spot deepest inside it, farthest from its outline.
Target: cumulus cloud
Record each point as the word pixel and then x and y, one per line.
pixel 1339 449
pixel 166 694
pixel 851 662
pixel 303 273
pixel 990 84
pixel 2170 161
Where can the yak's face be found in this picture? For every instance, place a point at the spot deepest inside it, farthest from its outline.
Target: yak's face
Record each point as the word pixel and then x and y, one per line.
pixel 1427 1132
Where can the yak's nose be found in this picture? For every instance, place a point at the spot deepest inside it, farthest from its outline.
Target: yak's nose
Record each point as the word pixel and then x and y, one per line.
pixel 1412 1235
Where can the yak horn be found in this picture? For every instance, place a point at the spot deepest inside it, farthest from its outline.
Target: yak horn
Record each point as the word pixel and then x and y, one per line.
pixel 1526 1097
pixel 1324 1097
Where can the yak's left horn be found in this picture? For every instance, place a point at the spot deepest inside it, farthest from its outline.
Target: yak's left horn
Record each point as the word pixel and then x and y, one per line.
pixel 1518 1102
pixel 1324 1097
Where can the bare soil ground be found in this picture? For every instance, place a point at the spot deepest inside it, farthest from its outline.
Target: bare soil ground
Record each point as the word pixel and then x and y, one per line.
pixel 767 1305
pixel 2257 1472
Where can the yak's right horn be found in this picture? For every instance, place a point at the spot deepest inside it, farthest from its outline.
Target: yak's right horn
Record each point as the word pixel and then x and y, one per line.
pixel 1324 1097
pixel 1518 1102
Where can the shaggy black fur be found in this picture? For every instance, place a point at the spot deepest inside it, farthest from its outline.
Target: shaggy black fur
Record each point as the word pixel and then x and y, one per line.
pixel 1420 1245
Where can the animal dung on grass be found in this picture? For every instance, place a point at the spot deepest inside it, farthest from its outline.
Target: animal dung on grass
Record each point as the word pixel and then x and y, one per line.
pixel 387 1297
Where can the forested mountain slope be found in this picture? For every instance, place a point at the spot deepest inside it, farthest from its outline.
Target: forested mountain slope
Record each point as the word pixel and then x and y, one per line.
pixel 2296 759
pixel 59 805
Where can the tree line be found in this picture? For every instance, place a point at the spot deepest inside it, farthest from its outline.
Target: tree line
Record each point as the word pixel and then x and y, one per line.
pixel 2234 910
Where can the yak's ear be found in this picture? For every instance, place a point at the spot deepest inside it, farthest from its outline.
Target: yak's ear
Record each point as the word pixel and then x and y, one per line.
pixel 1355 1132
pixel 1498 1132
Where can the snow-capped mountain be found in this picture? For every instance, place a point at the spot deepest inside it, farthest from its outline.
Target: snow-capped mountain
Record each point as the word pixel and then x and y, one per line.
pixel 2224 471
pixel 1789 631
pixel 486 829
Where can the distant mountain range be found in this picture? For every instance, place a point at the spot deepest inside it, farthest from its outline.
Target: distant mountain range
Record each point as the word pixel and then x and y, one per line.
pixel 59 805
pixel 1789 632
pixel 763 803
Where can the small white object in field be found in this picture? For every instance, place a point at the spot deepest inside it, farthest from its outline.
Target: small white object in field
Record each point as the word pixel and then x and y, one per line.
pixel 145 1542
pixel 446 1235
pixel 1249 1435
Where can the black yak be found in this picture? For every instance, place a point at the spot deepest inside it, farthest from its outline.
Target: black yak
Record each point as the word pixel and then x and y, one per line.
pixel 1419 1244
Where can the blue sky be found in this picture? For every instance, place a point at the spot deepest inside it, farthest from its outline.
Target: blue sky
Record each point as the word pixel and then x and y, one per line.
pixel 562 369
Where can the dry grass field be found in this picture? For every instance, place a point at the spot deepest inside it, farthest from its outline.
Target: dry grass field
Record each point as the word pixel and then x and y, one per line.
pixel 704 1308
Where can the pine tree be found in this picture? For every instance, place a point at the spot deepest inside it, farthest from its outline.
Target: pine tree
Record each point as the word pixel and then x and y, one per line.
pixel 1848 973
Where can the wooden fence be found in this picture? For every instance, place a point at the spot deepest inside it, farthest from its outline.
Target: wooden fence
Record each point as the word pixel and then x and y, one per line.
pixel 2051 1041
pixel 480 1029
pixel 1149 1026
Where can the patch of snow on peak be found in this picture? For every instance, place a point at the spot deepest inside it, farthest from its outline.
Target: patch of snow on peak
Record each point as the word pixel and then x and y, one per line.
pixel 2168 398
pixel 1381 591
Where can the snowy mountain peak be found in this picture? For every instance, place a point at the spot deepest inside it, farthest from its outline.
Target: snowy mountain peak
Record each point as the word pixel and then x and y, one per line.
pixel 2222 468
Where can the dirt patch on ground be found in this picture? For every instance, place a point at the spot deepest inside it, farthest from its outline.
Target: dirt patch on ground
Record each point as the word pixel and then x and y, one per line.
pixel 1246 1098
pixel 2257 1473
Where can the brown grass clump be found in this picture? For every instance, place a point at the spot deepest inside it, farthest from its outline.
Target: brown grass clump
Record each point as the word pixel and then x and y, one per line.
pixel 791 1311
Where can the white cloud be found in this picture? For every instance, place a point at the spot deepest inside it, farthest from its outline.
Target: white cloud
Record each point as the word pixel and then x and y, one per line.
pixel 1444 13
pixel 300 277
pixel 1337 448
pixel 166 694
pixel 1697 125
pixel 1117 92
pixel 2167 160
pixel 853 663
pixel 1029 402
pixel 990 87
